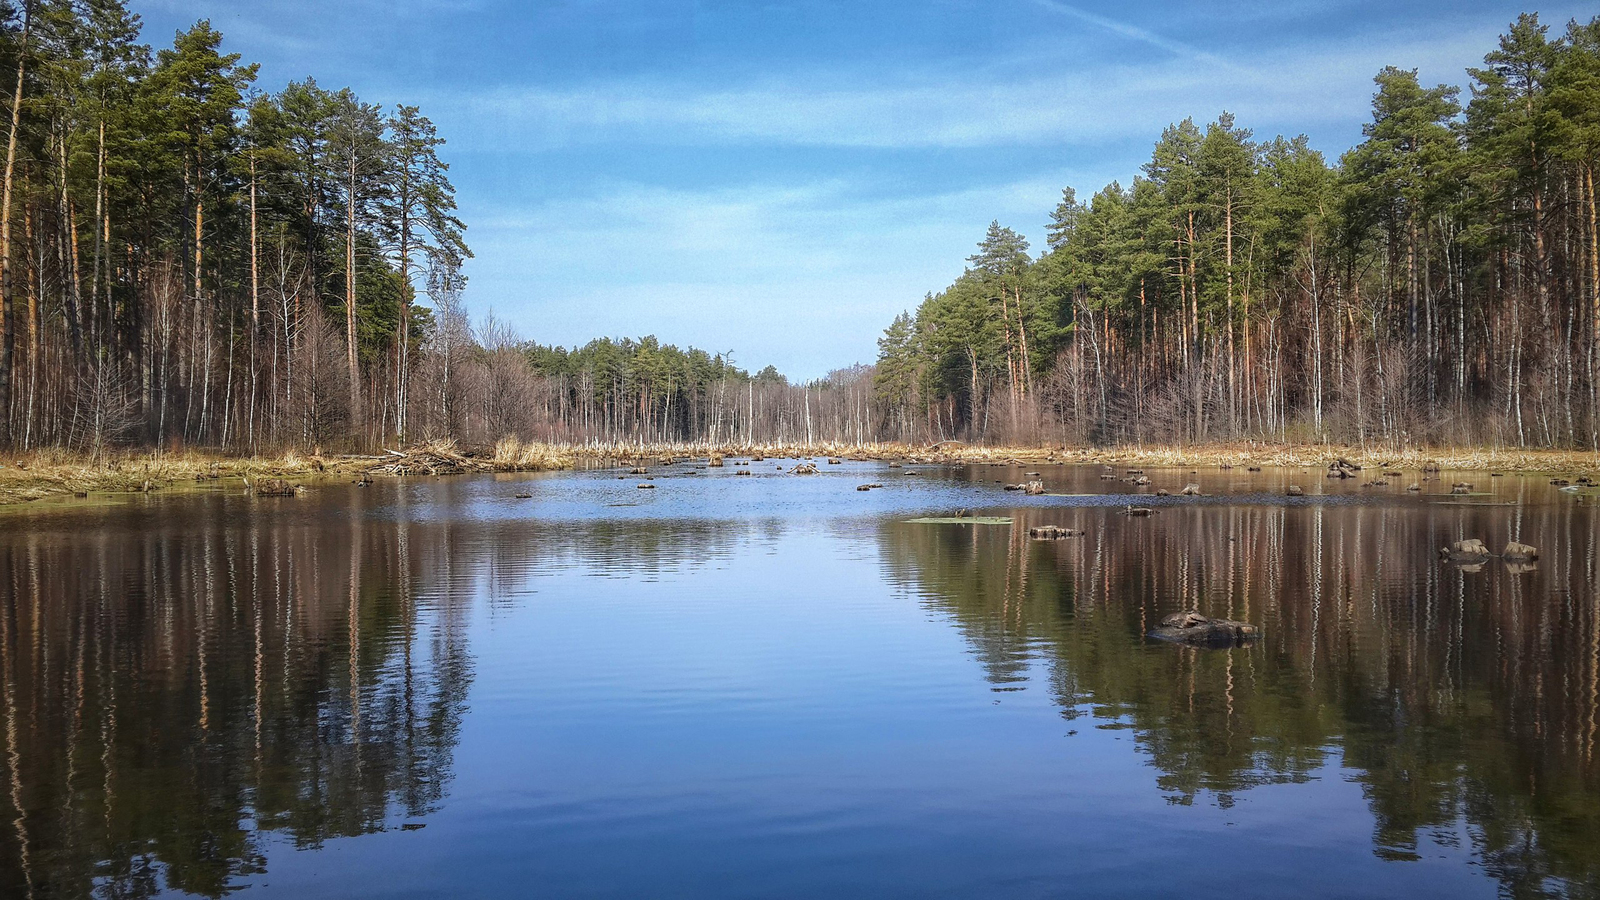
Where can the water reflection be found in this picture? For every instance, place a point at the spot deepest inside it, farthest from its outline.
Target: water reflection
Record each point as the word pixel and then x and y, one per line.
pixel 1463 702
pixel 188 681
pixel 173 696
pixel 191 683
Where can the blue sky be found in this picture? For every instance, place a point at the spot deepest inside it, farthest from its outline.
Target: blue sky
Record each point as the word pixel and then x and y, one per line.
pixel 780 178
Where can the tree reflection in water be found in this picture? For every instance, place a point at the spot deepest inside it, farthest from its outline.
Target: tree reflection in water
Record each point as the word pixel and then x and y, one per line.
pixel 174 694
pixel 183 685
pixel 1463 702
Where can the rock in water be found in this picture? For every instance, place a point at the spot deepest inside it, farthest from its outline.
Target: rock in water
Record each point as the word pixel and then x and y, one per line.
pixel 1193 628
pixel 1295 491
pixel 1468 551
pixel 1191 490
pixel 1033 488
pixel 1519 553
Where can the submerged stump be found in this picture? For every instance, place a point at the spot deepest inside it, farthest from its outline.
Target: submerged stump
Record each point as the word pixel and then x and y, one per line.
pixel 272 487
pixel 1193 628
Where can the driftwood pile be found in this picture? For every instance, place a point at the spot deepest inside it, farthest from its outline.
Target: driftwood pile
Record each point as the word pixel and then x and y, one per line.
pixel 427 460
pixel 1341 468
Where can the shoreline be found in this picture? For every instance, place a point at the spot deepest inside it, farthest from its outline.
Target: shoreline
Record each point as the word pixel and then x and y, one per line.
pixel 52 473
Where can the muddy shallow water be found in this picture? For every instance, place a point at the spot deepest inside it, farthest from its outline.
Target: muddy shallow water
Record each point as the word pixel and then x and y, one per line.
pixel 778 686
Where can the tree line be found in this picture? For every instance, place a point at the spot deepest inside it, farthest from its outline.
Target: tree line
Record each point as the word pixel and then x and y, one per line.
pixel 1440 282
pixel 185 259
pixel 188 260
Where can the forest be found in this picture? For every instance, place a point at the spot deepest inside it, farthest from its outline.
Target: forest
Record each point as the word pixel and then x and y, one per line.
pixel 1437 284
pixel 189 261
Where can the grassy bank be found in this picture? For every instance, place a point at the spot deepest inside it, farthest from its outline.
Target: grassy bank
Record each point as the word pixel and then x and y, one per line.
pixel 55 473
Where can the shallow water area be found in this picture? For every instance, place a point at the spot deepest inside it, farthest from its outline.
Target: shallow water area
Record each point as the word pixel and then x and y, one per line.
pixel 776 685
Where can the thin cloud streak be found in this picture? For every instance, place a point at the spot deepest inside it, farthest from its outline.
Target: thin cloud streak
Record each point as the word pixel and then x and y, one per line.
pixel 1300 90
pixel 1139 34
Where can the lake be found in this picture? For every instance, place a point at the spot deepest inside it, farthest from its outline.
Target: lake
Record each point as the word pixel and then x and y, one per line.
pixel 780 686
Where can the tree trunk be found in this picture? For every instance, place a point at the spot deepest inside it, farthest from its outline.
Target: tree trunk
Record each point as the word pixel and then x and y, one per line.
pixel 350 302
pixel 255 307
pixel 8 329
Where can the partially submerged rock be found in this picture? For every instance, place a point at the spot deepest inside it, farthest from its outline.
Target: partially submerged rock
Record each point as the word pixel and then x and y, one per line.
pixel 1190 490
pixel 1295 491
pixel 1461 487
pixel 1052 532
pixel 1033 488
pixel 1193 628
pixel 1519 553
pixel 716 461
pixel 1468 551
pixel 804 469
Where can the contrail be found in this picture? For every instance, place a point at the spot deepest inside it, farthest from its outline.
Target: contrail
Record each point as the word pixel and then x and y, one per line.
pixel 1139 34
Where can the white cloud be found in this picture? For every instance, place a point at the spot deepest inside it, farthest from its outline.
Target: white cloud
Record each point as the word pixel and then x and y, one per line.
pixel 803 276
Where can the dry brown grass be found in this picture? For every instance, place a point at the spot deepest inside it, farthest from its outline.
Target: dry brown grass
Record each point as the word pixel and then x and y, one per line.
pixel 46 473
pixel 54 472
pixel 511 454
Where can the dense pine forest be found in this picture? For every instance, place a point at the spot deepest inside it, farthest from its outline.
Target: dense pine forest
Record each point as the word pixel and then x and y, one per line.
pixel 1439 283
pixel 188 260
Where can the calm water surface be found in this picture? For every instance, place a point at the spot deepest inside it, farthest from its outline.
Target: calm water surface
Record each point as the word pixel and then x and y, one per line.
pixel 777 686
